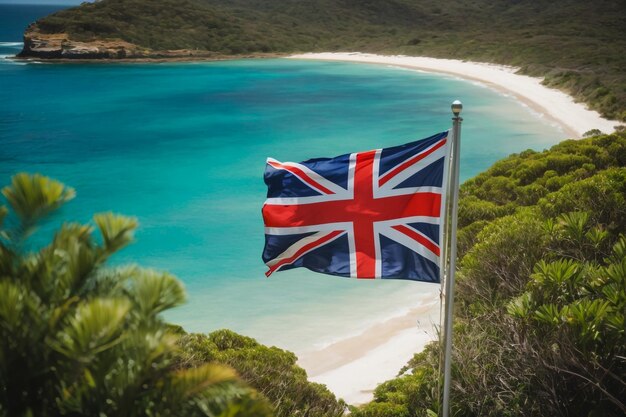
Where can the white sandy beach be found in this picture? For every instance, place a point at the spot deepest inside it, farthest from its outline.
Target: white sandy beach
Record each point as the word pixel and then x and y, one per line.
pixel 352 368
pixel 575 118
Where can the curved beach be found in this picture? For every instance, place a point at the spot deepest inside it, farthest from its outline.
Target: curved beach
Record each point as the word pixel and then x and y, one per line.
pixel 575 118
pixel 353 367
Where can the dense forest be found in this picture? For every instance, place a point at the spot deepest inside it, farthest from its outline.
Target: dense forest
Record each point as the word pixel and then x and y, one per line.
pixel 541 296
pixel 576 45
pixel 539 326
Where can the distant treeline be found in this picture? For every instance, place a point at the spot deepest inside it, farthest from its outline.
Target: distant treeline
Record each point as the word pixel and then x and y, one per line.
pixel 541 295
pixel 577 45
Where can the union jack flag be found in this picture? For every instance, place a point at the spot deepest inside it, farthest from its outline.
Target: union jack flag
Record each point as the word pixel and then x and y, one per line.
pixel 374 214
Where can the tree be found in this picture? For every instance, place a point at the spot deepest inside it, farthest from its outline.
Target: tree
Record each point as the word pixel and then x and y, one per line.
pixel 82 339
pixel 270 370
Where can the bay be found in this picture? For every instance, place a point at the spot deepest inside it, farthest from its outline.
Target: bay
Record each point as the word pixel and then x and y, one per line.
pixel 182 147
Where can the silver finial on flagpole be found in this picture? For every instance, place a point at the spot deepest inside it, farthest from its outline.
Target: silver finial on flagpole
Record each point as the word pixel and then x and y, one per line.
pixel 457 106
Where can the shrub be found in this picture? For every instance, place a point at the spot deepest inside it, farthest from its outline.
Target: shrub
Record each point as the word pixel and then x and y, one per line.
pixel 82 339
pixel 270 370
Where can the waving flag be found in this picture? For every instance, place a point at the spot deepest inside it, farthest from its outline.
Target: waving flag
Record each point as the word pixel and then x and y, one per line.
pixel 374 214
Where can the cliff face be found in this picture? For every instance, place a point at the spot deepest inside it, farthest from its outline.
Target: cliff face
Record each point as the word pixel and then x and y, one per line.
pixel 59 46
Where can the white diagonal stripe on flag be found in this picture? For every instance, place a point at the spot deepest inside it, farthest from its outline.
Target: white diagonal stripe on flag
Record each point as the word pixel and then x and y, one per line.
pixel 308 176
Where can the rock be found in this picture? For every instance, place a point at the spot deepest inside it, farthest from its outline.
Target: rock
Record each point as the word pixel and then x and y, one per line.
pixel 60 46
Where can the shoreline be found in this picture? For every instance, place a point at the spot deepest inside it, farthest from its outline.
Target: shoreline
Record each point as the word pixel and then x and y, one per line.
pixel 354 366
pixel 148 59
pixel 575 118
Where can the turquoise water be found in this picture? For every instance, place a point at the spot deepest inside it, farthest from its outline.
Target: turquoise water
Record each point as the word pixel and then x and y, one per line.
pixel 182 147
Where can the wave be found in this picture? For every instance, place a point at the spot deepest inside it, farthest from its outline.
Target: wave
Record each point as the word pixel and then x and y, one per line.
pixel 420 311
pixel 12 44
pixel 8 59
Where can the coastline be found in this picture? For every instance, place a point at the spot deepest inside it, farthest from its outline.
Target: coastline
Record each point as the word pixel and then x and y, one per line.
pixel 353 367
pixel 557 106
pixel 148 59
pixel 575 118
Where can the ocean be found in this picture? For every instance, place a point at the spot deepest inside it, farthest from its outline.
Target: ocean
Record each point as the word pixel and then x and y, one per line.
pixel 182 146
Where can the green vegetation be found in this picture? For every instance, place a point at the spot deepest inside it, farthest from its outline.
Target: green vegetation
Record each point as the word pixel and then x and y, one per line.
pixel 577 45
pixel 78 338
pixel 539 326
pixel 270 370
pixel 541 295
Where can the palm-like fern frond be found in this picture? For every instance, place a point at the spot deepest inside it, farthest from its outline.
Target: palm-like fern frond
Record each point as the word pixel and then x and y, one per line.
pixel 195 381
pixel 154 292
pixel 95 326
pixel 34 196
pixel 117 231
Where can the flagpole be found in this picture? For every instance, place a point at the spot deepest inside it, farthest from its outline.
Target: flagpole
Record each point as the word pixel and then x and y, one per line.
pixel 449 284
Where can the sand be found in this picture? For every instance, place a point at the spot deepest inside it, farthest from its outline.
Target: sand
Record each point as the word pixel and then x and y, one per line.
pixel 353 367
pixel 575 118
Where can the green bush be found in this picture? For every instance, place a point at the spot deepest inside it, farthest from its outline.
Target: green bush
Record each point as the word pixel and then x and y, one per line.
pixel 270 370
pixel 78 338
pixel 541 293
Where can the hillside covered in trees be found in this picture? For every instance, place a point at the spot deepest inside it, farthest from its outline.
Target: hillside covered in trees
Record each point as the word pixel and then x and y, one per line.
pixel 541 295
pixel 576 45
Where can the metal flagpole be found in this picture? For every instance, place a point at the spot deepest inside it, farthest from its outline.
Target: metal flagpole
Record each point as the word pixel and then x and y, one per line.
pixel 449 285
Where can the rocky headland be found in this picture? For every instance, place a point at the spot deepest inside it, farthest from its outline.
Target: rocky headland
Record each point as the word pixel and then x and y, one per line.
pixel 565 45
pixel 59 46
